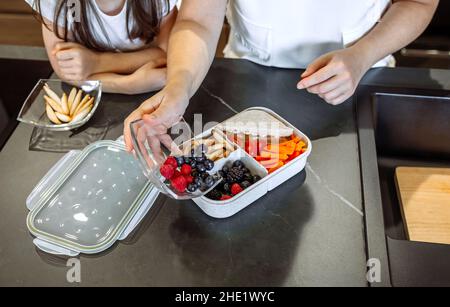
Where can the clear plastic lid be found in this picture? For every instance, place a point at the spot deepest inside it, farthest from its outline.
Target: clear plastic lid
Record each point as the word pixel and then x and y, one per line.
pixel 92 201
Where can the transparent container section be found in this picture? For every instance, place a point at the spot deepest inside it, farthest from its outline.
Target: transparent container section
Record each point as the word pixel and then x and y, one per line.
pixel 205 154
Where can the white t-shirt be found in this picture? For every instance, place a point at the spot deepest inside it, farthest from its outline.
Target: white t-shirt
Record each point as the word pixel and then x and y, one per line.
pixel 115 26
pixel 292 33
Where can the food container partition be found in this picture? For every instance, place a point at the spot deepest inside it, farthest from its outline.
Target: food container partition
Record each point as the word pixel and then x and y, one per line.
pixel 152 157
pixel 33 110
pixel 89 200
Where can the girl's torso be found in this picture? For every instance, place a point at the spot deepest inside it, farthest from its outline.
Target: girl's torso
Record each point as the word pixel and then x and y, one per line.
pixel 110 30
pixel 292 33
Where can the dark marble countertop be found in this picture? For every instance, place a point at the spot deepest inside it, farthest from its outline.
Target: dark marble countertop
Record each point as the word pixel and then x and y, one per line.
pixel 309 231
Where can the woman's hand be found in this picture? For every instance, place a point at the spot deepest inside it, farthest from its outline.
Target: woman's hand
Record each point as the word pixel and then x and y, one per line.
pixel 159 113
pixel 335 75
pixel 76 62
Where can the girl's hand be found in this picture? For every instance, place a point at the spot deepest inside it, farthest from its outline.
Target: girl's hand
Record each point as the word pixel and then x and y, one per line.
pixel 76 62
pixel 335 75
pixel 159 113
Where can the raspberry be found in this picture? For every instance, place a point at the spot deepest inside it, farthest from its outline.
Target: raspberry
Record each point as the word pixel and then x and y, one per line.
pixel 176 174
pixel 186 170
pixel 236 189
pixel 189 179
pixel 172 162
pixel 179 184
pixel 167 171
pixel 226 197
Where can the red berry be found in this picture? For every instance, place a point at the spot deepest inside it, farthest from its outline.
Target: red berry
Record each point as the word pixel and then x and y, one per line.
pixel 186 170
pixel 176 174
pixel 172 162
pixel 167 171
pixel 236 189
pixel 189 179
pixel 226 197
pixel 179 184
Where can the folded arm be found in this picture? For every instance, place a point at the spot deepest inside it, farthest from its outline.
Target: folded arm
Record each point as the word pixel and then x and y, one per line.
pixel 122 72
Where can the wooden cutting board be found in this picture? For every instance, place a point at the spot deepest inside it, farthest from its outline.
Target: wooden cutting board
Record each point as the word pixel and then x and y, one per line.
pixel 424 195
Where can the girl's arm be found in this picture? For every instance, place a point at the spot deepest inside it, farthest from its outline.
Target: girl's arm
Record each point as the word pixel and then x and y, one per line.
pixel 77 62
pixel 80 62
pixel 149 77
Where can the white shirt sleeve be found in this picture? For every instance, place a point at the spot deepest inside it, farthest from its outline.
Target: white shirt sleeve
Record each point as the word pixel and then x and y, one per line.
pixel 47 10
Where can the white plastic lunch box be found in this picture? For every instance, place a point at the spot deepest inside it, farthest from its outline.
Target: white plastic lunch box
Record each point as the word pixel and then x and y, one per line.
pixel 228 208
pixel 92 198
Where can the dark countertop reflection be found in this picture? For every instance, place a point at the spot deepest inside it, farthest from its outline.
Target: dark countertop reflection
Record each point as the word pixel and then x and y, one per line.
pixel 309 231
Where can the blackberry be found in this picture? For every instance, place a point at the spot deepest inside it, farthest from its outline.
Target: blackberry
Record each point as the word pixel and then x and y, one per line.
pixel 226 187
pixel 235 174
pixel 248 177
pixel 256 178
pixel 239 164
pixel 214 195
pixel 245 184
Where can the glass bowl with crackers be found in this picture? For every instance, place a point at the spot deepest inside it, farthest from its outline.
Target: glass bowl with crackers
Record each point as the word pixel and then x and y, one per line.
pixel 59 106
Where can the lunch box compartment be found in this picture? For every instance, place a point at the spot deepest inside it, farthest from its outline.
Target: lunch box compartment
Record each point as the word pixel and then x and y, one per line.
pixel 228 208
pixel 224 209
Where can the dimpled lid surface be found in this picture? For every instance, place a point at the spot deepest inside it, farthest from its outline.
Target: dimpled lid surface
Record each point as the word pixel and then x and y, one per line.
pixel 91 202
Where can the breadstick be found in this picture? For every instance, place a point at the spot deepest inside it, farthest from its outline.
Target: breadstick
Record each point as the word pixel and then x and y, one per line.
pixel 81 108
pixel 82 104
pixel 53 104
pixel 51 115
pixel 76 102
pixel 52 94
pixel 81 115
pixel 72 95
pixel 63 117
pixel 65 104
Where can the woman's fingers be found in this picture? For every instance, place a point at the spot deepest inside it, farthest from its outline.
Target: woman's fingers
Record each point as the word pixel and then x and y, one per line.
pixel 327 86
pixel 333 96
pixel 320 76
pixel 315 66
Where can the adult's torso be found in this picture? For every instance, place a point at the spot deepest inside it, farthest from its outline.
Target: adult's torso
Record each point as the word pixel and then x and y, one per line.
pixel 292 33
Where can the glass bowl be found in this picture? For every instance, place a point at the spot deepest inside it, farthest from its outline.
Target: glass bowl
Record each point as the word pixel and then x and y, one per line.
pixel 33 110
